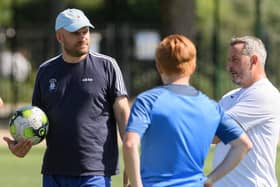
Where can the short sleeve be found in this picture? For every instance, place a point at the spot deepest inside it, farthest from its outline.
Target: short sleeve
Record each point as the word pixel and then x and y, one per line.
pixel 140 115
pixel 139 118
pixel 119 88
pixel 228 129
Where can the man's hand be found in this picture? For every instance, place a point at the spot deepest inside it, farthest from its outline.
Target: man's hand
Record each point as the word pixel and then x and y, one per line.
pixel 125 180
pixel 20 148
pixel 208 183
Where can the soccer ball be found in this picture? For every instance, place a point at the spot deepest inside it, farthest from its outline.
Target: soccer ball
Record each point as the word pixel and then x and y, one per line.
pixel 29 122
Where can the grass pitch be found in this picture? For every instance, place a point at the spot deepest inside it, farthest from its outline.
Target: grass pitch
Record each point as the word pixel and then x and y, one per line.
pixel 25 172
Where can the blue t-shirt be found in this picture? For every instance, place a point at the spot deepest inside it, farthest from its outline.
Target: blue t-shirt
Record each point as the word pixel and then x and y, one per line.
pixel 177 124
pixel 78 99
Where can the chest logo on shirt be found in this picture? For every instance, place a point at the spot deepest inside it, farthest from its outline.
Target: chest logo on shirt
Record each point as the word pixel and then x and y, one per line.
pixel 87 79
pixel 52 85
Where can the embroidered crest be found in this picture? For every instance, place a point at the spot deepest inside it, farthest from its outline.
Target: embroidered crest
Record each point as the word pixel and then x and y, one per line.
pixel 52 85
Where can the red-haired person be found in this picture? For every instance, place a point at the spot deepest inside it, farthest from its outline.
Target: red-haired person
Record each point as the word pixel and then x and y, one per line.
pixel 175 124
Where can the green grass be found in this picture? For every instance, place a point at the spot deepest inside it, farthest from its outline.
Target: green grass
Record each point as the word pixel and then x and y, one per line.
pixel 25 172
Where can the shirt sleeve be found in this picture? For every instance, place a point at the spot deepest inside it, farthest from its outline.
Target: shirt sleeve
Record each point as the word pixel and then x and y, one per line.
pixel 250 110
pixel 228 129
pixel 139 119
pixel 118 81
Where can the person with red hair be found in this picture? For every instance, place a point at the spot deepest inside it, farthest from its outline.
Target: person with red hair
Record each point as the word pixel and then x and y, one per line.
pixel 176 124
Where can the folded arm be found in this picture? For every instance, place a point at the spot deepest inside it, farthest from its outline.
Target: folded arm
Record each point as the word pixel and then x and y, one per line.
pixel 239 148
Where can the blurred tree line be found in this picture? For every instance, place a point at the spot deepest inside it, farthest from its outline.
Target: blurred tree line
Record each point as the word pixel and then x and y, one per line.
pixel 209 23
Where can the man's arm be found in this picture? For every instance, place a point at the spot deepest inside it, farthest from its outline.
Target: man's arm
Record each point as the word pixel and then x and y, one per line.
pixel 19 149
pixel 131 158
pixel 121 111
pixel 239 148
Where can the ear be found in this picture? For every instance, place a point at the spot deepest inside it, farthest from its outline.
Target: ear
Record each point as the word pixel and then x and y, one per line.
pixel 159 68
pixel 192 66
pixel 254 59
pixel 59 36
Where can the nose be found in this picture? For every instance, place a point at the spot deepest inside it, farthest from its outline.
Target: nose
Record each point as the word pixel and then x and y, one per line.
pixel 82 36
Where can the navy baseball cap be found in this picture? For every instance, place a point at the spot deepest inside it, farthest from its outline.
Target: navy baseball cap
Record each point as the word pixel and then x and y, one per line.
pixel 72 20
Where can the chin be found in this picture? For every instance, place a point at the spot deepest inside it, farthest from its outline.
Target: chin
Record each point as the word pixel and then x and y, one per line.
pixel 237 83
pixel 83 51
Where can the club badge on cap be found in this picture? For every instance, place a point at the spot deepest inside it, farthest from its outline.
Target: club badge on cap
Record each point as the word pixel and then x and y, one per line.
pixel 72 20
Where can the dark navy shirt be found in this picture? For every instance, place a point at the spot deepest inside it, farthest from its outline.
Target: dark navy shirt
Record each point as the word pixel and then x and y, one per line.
pixel 78 100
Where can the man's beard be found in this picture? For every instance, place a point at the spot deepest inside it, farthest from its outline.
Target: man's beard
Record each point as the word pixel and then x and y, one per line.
pixel 74 52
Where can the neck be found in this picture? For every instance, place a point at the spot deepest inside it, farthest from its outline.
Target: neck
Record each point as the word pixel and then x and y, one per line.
pixel 260 74
pixel 175 79
pixel 72 59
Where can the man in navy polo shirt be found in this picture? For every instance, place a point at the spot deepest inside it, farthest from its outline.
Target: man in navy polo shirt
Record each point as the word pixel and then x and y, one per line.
pixel 84 97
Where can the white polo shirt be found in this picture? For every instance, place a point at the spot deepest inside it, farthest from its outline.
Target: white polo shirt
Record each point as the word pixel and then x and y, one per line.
pixel 256 108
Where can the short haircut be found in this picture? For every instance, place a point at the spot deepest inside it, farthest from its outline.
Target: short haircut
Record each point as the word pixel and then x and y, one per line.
pixel 252 46
pixel 177 55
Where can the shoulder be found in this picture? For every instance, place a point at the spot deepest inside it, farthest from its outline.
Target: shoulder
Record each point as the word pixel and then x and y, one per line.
pixel 109 64
pixel 230 93
pixel 150 96
pixel 208 103
pixel 102 58
pixel 153 92
pixel 262 91
pixel 265 87
pixel 50 62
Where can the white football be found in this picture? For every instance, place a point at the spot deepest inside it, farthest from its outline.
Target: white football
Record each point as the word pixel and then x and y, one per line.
pixel 29 122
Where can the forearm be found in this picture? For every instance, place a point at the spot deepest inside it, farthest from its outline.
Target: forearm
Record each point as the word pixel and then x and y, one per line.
pixel 121 129
pixel 121 111
pixel 131 160
pixel 132 166
pixel 238 150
